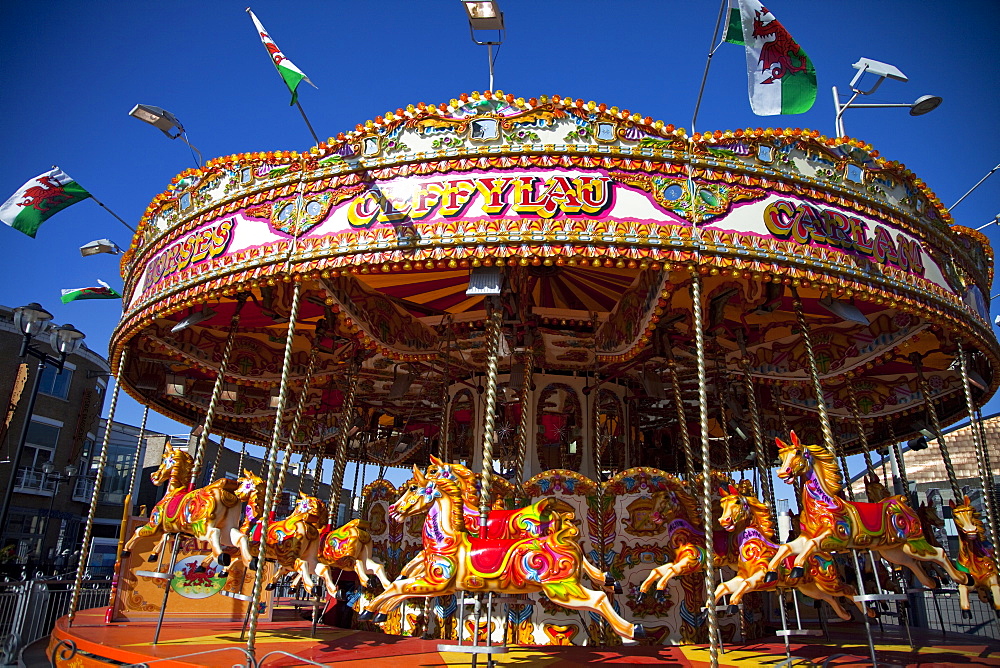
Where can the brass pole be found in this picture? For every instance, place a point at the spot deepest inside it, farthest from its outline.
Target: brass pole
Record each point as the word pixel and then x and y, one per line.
pixel 985 475
pixel 220 381
pixel 344 436
pixel 135 457
pixel 522 434
pixel 925 391
pixel 706 477
pixel 272 452
pixel 218 458
pixel 493 334
pixel 763 470
pixel 675 384
pixel 102 461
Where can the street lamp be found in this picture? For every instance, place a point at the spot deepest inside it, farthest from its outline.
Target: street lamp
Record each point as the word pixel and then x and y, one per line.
pixel 32 320
pixel 485 15
pixel 48 468
pixel 919 107
pixel 99 246
pixel 164 121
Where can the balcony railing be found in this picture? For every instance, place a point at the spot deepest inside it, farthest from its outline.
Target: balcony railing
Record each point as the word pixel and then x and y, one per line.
pixel 83 490
pixel 32 480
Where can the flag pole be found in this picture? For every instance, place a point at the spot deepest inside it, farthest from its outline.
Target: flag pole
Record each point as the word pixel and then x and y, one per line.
pixel 708 63
pixel 104 206
pixel 308 124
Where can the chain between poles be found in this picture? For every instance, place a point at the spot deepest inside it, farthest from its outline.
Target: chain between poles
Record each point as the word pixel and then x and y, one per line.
pixel 272 452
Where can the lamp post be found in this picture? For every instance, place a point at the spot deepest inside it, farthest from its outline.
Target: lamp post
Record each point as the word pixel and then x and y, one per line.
pixel 919 107
pixel 99 246
pixel 485 15
pixel 32 320
pixel 164 121
pixel 48 468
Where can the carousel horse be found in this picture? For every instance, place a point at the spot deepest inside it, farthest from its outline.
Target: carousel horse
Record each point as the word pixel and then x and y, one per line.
pixel 930 521
pixel 976 556
pixel 456 561
pixel 210 514
pixel 830 523
pixel 290 542
pixel 348 547
pixel 504 524
pixel 750 520
pixel 679 510
pixel 875 490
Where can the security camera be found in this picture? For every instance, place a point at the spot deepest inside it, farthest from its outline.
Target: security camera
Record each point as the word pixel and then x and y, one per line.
pixel 880 69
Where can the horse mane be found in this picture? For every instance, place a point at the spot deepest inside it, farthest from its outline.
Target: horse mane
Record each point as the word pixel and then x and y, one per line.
pixel 453 490
pixel 975 516
pixel 760 516
pixel 826 467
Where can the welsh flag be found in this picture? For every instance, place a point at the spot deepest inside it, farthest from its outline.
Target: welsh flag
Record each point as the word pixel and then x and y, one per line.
pixel 39 199
pixel 781 77
pixel 291 75
pixel 104 291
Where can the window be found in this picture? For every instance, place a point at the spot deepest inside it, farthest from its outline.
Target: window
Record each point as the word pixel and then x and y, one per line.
pixel 55 384
pixel 39 447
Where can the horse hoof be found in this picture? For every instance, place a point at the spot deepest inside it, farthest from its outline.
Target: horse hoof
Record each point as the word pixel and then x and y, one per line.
pixel 253 564
pixel 618 588
pixel 732 609
pixel 200 569
pixel 270 586
pixel 380 618
pixel 797 572
pixel 966 614
pixel 153 557
pixel 661 596
pixel 223 574
pixel 314 591
pixel 366 616
pixel 638 633
pixel 126 554
pixel 640 597
pixel 339 595
pixel 770 576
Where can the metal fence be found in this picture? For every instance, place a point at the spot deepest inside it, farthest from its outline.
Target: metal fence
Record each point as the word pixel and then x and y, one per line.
pixel 941 612
pixel 29 609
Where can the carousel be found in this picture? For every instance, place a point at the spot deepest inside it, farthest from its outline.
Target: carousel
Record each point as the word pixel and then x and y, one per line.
pixel 595 339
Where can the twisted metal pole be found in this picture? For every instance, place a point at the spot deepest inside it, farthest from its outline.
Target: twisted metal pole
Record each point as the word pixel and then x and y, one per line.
pixel 220 381
pixel 522 433
pixel 102 461
pixel 138 451
pixel 985 475
pixel 675 384
pixel 932 413
pixel 272 451
pixel 763 471
pixel 824 418
pixel 493 333
pixel 344 436
pixel 218 458
pixel 706 473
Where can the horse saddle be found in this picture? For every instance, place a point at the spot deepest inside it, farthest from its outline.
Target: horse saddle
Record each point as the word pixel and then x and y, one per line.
pixel 174 503
pixel 871 515
pixel 487 554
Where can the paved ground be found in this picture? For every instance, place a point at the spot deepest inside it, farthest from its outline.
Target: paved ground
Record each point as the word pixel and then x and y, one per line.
pixel 348 649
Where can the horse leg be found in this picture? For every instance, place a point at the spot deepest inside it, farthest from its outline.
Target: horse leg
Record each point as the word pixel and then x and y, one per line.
pixel 570 594
pixel 323 572
pixel 811 590
pixel 903 557
pixel 143 531
pixel 811 545
pixel 940 558
pixel 373 566
pixel 785 549
pixel 158 548
pixel 963 600
pixel 995 590
pixel 599 577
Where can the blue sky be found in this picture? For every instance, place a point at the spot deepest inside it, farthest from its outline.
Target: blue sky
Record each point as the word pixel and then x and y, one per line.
pixel 73 70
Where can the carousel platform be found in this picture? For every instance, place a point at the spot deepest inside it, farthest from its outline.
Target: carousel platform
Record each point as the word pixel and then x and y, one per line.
pixel 101 644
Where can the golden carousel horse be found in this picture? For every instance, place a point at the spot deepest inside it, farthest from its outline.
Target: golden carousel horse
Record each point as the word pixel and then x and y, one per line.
pixel 750 521
pixel 504 524
pixel 976 556
pixel 210 514
pixel 454 560
pixel 830 523
pixel 680 511
pixel 348 547
pixel 289 542
pixel 875 490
